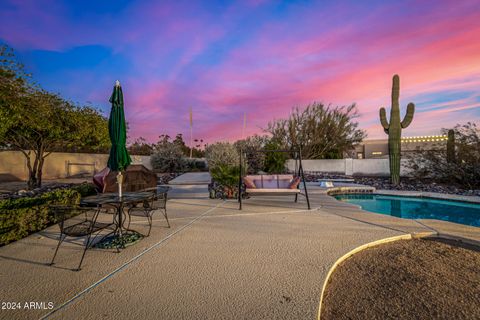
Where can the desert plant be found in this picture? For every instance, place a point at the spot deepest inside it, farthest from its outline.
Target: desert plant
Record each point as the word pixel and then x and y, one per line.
pixel 394 129
pixel 227 177
pixel 451 146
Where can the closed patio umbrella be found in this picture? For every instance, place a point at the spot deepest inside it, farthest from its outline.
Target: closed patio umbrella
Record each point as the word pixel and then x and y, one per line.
pixel 119 158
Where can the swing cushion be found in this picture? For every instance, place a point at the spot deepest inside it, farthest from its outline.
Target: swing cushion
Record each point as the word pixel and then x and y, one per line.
pixel 272 183
pixel 273 191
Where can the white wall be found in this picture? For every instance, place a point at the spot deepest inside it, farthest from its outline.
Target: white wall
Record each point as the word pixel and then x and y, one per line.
pixel 360 167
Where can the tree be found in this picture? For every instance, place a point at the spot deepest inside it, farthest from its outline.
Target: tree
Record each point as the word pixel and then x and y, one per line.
pixel 36 122
pixel 321 132
pixel 196 151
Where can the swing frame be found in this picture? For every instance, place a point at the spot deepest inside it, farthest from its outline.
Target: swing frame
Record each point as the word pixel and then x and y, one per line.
pixel 297 173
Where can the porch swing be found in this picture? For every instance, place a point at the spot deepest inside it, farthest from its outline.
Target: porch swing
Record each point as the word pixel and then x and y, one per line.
pixel 272 184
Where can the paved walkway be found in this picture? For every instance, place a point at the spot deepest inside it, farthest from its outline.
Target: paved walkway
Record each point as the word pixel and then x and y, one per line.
pixel 192 178
pixel 268 261
pixel 190 185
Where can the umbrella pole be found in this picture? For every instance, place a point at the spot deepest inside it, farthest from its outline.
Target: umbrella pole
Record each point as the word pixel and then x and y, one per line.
pixel 120 183
pixel 120 209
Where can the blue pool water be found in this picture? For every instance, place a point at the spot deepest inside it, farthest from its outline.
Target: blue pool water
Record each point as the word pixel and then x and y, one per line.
pixel 417 208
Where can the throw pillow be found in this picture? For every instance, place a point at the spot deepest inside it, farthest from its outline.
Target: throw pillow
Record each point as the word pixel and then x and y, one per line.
pixel 249 183
pixel 295 182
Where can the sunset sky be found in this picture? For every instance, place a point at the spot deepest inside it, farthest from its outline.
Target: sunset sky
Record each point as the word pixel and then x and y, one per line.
pixel 224 58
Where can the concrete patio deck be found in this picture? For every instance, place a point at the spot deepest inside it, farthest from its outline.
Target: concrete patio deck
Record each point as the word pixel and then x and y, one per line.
pixel 268 261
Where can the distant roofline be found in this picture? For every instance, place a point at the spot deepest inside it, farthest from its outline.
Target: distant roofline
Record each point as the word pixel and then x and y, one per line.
pixel 412 139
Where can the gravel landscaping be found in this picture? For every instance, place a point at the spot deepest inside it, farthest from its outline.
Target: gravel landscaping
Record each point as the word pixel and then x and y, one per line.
pixel 406 184
pixel 408 279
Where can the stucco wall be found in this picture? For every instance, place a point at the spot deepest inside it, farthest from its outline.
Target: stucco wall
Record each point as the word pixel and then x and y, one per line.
pixel 13 164
pixel 361 167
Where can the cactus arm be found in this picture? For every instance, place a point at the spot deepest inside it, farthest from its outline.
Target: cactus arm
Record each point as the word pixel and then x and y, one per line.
pixel 408 116
pixel 383 119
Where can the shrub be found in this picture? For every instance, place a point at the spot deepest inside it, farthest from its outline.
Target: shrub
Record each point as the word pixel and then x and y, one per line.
pixel 23 216
pixel 223 163
pixel 168 157
pixel 85 189
pixel 227 176
pixel 221 153
pixel 195 164
pixel 201 164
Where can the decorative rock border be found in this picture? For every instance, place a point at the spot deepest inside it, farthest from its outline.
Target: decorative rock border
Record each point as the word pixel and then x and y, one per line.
pixel 431 195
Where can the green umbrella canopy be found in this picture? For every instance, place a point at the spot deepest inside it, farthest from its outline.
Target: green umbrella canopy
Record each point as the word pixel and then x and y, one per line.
pixel 119 158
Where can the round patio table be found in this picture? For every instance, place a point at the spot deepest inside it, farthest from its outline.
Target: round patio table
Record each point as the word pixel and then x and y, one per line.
pixel 119 203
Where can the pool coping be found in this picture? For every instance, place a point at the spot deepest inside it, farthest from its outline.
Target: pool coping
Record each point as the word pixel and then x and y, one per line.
pixel 406 236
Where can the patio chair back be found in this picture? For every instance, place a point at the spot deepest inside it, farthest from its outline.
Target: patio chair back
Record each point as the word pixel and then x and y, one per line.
pixel 75 221
pixel 157 202
pixel 160 198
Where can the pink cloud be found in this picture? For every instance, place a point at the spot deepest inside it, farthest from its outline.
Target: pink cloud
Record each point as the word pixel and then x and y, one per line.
pixel 337 54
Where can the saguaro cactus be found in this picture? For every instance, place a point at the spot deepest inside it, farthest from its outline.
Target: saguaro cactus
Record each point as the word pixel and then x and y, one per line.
pixel 451 146
pixel 394 129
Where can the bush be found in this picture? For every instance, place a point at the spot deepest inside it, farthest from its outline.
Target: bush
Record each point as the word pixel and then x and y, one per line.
pixel 227 177
pixel 168 157
pixel 85 189
pixel 221 153
pixel 23 216
pixel 195 164
pixel 223 163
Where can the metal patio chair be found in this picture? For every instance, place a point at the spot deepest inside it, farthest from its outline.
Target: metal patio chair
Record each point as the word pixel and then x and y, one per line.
pixel 158 202
pixel 77 222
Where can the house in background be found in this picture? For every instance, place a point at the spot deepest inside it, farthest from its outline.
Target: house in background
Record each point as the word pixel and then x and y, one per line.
pixel 378 148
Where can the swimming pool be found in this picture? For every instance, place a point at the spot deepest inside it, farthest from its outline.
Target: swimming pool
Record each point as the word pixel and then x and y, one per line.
pixel 417 207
